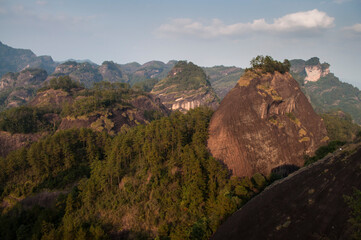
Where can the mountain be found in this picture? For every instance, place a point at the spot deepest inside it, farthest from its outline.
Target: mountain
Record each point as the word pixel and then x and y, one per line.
pixel 18 88
pixel 15 60
pixel 324 90
pixel 149 70
pixel 84 73
pixel 131 73
pixel 263 123
pixel 315 202
pixel 186 87
pixel 223 79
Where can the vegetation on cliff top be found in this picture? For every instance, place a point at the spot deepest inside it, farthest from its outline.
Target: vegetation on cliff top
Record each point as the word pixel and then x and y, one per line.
pixel 268 65
pixel 183 77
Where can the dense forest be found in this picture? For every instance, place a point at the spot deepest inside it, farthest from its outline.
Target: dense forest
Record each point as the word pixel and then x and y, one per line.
pixel 154 181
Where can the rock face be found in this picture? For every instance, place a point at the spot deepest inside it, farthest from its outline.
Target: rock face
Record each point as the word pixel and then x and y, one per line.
pixel 308 204
pixel 263 123
pixel 314 73
pixel 186 87
pixel 312 69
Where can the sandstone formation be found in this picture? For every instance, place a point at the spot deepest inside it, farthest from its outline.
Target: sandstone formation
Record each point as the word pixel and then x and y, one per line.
pixel 311 70
pixel 186 87
pixel 263 123
pixel 314 73
pixel 308 204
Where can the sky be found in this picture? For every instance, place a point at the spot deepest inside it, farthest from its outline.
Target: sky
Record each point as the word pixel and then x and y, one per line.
pixel 206 32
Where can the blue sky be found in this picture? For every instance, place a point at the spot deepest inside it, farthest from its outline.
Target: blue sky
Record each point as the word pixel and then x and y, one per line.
pixel 205 32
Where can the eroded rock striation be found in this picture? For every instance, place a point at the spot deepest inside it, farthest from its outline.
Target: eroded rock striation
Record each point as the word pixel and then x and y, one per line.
pixel 263 123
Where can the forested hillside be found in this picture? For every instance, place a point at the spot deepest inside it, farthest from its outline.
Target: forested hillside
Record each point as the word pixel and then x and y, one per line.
pixel 156 180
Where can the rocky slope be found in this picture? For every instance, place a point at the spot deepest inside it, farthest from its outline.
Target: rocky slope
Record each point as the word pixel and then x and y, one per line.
pixel 263 123
pixel 324 90
pixel 131 108
pixel 15 60
pixel 109 109
pixel 308 204
pixel 186 87
pixel 18 88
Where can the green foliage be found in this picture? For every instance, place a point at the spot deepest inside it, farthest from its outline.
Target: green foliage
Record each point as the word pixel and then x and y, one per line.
pixel 340 126
pixel 184 76
pixel 63 82
pixel 24 120
pixel 321 152
pixel 312 61
pixel 268 65
pixel 102 96
pixel 152 181
pixel 354 204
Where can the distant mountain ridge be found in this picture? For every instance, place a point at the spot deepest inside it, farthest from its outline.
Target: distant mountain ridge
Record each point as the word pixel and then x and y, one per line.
pixel 15 60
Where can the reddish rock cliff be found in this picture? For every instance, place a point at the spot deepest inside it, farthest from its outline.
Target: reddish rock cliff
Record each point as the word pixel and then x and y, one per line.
pixel 264 122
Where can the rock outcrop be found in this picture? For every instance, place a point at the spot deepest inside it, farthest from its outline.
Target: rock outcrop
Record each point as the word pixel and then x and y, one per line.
pixel 263 123
pixel 186 87
pixel 308 204
pixel 311 70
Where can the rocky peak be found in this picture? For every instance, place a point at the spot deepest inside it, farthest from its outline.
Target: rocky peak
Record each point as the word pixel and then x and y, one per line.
pixel 186 87
pixel 263 123
pixel 312 68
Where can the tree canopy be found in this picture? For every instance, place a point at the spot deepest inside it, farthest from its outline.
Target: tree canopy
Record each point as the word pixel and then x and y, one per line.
pixel 267 65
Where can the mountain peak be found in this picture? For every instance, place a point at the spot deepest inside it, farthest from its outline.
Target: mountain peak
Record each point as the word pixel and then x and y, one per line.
pixel 263 123
pixel 185 87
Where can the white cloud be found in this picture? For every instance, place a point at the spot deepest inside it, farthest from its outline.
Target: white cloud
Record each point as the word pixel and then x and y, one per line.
pixel 355 28
pixel 309 21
